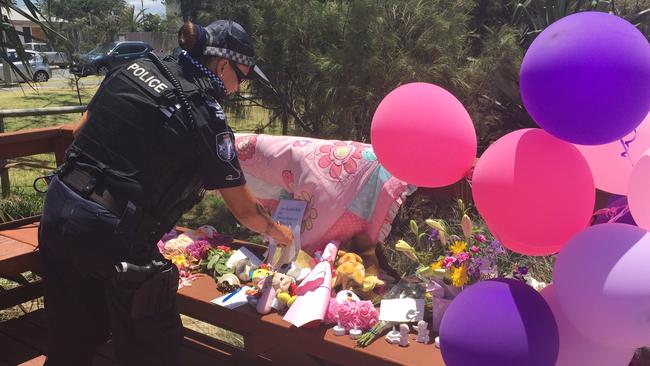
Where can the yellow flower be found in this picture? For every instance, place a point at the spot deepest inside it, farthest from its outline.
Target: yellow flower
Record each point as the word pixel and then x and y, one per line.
pixel 180 261
pixel 459 276
pixel 458 247
pixel 436 265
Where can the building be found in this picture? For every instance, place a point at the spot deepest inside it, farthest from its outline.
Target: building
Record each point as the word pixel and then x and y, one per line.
pixel 32 32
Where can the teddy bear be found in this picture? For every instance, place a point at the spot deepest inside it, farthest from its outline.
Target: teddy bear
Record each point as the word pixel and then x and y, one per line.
pixel 274 292
pixel 351 273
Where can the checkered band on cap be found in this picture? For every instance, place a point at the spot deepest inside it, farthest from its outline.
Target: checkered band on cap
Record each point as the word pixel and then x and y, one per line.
pixel 229 54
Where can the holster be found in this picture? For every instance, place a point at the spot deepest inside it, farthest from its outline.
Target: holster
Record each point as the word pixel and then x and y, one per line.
pixel 149 289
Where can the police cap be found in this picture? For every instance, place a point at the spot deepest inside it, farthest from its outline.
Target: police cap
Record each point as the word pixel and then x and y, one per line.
pixel 228 39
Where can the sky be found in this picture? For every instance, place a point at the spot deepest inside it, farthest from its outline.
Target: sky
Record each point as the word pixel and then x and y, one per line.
pixel 152 6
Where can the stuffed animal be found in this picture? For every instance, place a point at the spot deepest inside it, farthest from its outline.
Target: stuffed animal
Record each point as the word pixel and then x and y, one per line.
pixel 284 286
pixel 275 292
pixel 259 274
pixel 244 269
pixel 350 273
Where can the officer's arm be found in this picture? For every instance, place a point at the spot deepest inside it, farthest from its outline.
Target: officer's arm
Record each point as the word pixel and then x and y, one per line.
pixel 243 204
pixel 82 122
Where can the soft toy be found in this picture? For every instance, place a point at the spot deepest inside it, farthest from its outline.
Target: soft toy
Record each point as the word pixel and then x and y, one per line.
pixel 244 269
pixel 350 273
pixel 274 292
pixel 260 273
pixel 284 288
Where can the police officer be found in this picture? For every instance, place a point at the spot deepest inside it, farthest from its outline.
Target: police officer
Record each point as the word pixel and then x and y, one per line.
pixel 153 139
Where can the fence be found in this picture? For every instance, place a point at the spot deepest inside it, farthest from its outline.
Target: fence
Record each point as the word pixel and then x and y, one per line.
pixel 16 148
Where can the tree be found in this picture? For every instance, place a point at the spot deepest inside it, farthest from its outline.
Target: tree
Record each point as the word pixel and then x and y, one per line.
pixel 87 22
pixel 9 36
pixel 153 23
pixel 132 21
pixel 536 15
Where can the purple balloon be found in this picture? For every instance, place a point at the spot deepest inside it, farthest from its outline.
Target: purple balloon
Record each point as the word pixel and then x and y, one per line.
pixel 576 349
pixel 499 322
pixel 601 283
pixel 586 78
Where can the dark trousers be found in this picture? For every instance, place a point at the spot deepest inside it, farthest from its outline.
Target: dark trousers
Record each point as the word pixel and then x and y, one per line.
pixel 80 243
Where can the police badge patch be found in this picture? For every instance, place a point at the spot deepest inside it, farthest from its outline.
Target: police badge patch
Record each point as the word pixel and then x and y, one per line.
pixel 225 146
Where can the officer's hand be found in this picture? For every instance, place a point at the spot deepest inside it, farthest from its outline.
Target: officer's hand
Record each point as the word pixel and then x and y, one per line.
pixel 283 235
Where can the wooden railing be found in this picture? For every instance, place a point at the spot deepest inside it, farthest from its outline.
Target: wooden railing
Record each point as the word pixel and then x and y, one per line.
pixel 44 140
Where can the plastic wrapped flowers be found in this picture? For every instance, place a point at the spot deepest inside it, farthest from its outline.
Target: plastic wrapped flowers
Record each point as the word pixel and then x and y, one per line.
pixel 188 249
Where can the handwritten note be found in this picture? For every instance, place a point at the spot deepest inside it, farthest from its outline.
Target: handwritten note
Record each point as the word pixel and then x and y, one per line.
pixel 401 310
pixel 289 213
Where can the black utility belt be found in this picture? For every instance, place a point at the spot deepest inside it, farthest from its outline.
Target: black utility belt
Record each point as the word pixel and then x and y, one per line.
pixel 86 185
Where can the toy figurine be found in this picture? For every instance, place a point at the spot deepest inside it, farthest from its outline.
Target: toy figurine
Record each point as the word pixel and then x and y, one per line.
pixel 403 335
pixel 423 332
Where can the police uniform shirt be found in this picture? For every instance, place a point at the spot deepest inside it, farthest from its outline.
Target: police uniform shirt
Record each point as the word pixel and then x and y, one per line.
pixel 214 142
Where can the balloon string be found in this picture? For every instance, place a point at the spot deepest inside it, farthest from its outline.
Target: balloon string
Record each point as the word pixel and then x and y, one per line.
pixel 624 210
pixel 613 213
pixel 626 146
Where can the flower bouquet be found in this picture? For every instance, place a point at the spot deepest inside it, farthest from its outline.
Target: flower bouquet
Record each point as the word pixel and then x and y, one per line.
pixel 203 249
pixel 449 259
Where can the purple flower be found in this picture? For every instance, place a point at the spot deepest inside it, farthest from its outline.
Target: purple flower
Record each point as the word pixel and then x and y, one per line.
pixel 434 235
pixel 480 238
pixel 496 247
pixel 523 270
pixel 198 249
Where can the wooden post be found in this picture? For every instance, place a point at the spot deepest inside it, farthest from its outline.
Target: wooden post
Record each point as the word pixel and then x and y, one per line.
pixel 59 151
pixel 4 172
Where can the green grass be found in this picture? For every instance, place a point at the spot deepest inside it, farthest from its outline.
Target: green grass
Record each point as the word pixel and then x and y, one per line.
pixel 42 98
pixel 26 169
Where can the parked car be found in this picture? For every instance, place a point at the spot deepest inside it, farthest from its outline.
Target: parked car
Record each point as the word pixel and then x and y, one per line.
pixel 53 57
pixel 106 56
pixel 40 69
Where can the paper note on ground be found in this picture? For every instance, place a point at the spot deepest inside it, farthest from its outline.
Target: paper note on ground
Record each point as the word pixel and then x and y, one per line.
pixel 401 310
pixel 235 301
pixel 243 253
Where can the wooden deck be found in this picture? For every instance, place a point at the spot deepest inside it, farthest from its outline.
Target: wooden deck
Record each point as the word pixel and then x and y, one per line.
pixel 24 341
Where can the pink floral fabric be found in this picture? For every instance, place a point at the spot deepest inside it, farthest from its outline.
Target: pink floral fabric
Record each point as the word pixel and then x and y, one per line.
pixel 347 190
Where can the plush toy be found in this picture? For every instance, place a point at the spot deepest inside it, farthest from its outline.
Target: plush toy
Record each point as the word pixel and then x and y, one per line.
pixel 350 273
pixel 284 284
pixel 244 269
pixel 260 273
pixel 275 292
pixel 265 302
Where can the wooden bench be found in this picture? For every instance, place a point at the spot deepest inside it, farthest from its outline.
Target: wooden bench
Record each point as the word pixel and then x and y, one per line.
pixel 267 339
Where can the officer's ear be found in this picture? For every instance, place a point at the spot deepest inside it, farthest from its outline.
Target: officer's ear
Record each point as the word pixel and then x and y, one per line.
pixel 221 66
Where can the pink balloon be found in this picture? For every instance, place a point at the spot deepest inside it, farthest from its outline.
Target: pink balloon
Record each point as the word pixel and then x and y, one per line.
pixel 423 135
pixel 535 190
pixel 601 283
pixel 610 169
pixel 576 349
pixel 639 192
pixel 526 249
